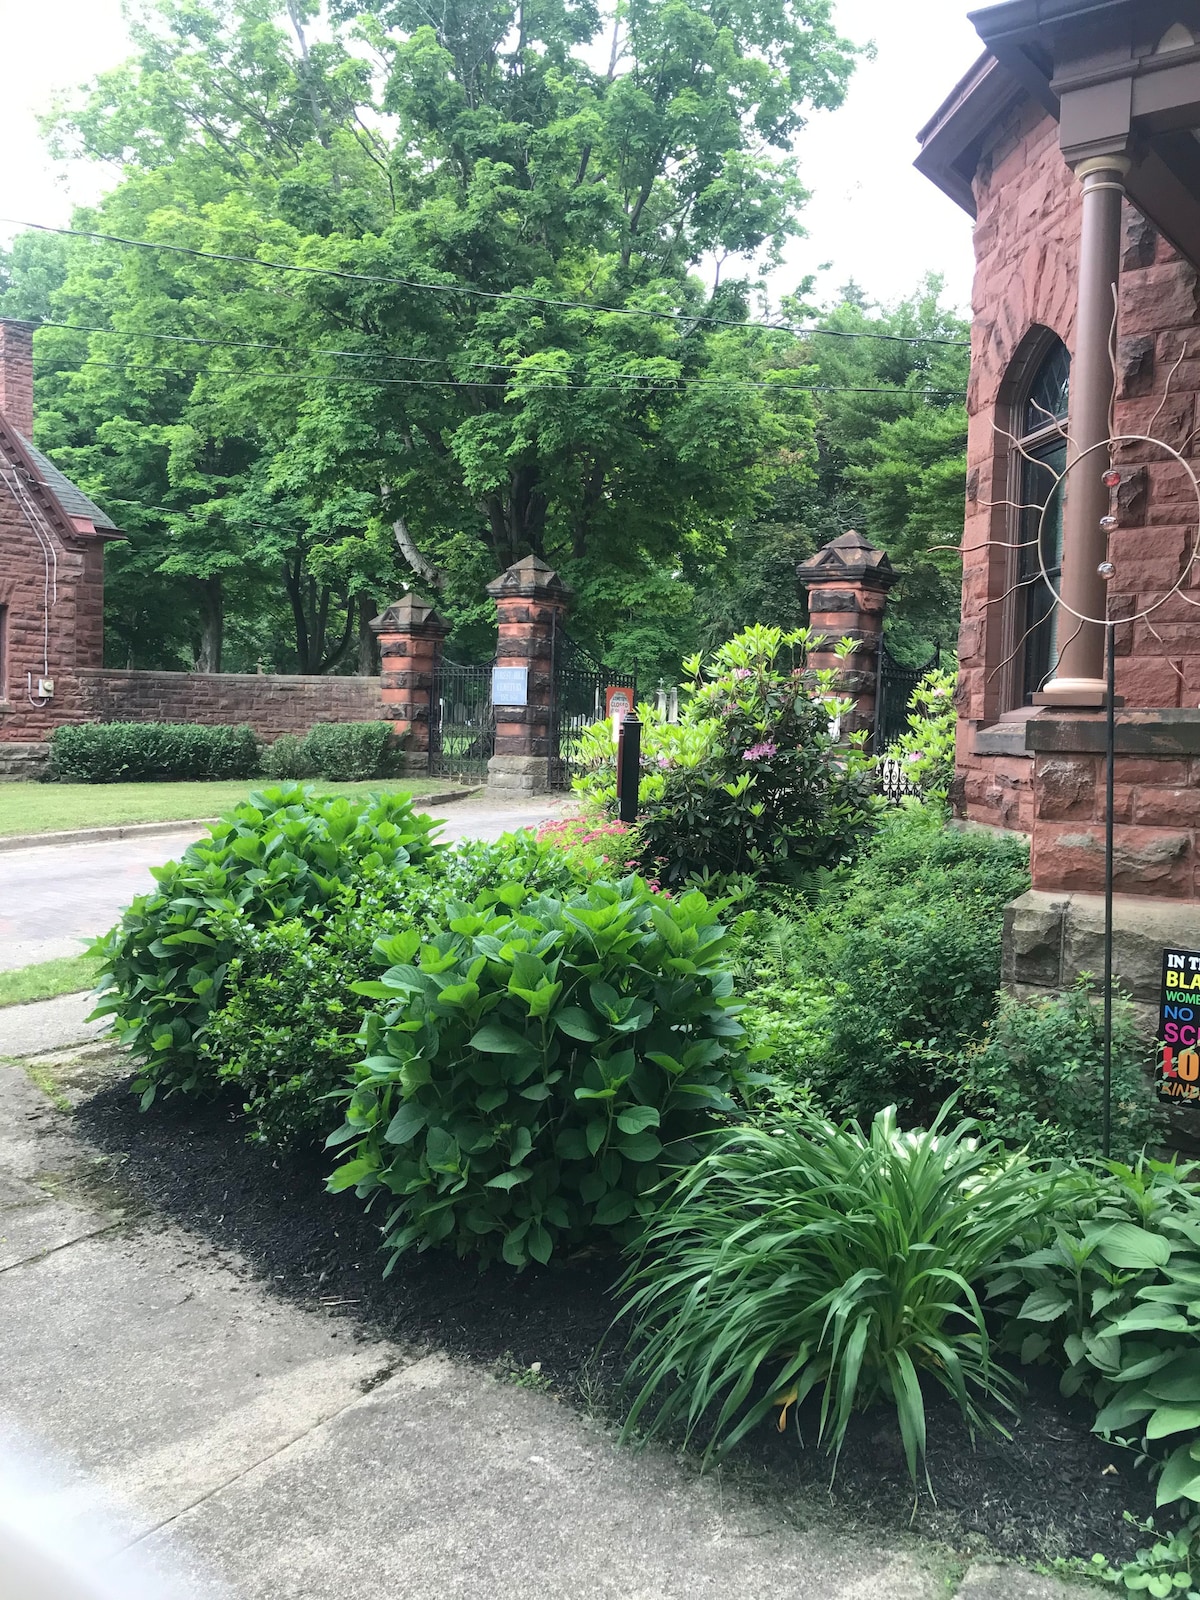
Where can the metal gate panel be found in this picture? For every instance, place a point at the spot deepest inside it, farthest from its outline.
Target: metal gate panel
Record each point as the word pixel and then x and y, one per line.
pixel 577 701
pixel 893 692
pixel 462 723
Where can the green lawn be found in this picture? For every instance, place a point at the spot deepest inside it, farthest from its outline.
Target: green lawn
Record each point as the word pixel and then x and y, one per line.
pixel 50 807
pixel 67 975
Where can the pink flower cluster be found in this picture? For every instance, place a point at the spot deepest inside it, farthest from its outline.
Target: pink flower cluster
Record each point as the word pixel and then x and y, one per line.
pixel 761 752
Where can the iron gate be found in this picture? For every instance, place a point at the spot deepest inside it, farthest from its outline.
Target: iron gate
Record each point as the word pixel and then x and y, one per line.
pixel 577 701
pixel 462 724
pixel 896 684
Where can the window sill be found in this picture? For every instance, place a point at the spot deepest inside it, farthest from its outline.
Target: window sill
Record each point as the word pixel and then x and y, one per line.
pixel 1003 739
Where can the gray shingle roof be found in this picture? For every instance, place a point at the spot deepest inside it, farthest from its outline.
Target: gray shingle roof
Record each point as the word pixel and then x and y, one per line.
pixel 73 501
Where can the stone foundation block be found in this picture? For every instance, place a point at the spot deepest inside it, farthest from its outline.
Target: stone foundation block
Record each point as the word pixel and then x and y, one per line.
pixel 518 775
pixel 28 761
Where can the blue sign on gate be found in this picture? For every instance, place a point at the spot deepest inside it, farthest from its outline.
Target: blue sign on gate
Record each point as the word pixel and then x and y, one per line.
pixel 510 686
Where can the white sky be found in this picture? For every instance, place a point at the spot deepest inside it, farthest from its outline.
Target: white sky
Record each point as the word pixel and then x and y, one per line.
pixel 872 217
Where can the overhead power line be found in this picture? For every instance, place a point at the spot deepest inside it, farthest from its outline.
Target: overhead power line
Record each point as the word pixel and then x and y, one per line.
pixel 694 317
pixel 634 384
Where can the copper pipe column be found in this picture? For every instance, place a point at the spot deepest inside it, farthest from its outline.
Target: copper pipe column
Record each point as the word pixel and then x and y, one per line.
pixel 1079 676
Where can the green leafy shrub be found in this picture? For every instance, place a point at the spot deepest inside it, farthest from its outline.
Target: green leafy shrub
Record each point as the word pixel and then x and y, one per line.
pixel 1037 1077
pixel 143 752
pixel 666 747
pixel 282 854
pixel 285 759
pixel 343 752
pixel 873 994
pixel 346 752
pixel 817 1259
pixel 926 749
pixel 537 1068
pixel 285 1035
pixel 777 792
pixel 1108 1286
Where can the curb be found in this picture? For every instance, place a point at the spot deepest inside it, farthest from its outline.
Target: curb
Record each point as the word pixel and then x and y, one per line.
pixel 147 830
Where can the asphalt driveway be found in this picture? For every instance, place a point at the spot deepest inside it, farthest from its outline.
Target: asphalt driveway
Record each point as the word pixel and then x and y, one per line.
pixel 55 897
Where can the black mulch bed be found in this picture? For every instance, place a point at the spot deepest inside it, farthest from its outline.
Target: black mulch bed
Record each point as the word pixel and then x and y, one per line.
pixel 1053 1490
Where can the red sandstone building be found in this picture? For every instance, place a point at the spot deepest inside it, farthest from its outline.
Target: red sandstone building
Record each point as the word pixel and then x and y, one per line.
pixel 52 541
pixel 1075 144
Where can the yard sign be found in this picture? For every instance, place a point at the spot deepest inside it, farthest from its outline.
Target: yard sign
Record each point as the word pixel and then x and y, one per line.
pixel 1178 1076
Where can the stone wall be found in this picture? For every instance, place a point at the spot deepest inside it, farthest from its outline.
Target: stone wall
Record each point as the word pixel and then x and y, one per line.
pixel 1026 245
pixel 1156 815
pixel 270 704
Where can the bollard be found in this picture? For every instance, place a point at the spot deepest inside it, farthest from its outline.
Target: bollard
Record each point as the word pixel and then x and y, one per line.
pixel 629 768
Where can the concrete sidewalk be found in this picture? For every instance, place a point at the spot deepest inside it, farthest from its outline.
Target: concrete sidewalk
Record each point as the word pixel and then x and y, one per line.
pixel 244 1447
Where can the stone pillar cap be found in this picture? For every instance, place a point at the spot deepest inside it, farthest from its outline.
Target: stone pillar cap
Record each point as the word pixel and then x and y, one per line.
pixel 410 614
pixel 529 577
pixel 850 558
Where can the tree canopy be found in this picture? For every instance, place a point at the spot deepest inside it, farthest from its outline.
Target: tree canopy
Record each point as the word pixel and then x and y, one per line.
pixel 434 288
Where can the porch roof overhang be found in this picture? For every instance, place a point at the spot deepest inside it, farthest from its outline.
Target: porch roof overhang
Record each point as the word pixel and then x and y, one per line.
pixel 1116 78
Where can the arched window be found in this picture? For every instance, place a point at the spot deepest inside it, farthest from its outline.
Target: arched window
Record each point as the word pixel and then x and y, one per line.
pixel 1041 426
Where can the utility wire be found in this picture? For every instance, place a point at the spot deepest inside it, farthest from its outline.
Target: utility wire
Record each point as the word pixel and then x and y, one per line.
pixel 633 385
pixel 280 349
pixel 694 317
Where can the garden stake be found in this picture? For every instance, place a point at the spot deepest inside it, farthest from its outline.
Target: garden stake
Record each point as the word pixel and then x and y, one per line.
pixel 1110 745
pixel 629 768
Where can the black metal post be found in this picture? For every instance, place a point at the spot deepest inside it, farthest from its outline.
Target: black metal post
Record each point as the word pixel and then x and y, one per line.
pixel 629 768
pixel 1110 749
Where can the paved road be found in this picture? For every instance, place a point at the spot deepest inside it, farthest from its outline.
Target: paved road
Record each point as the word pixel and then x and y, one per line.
pixel 53 897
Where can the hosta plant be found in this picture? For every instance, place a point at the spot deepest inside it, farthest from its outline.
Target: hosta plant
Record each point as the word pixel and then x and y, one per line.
pixel 1110 1288
pixel 534 1071
pixel 822 1260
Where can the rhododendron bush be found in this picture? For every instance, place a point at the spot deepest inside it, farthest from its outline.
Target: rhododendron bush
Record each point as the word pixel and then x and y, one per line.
pixel 756 778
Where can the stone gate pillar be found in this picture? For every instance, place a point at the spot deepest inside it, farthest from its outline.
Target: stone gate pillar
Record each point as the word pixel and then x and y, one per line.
pixel 848 582
pixel 411 638
pixel 531 605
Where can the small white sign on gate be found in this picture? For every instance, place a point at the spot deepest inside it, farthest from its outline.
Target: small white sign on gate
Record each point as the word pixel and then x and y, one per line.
pixel 510 686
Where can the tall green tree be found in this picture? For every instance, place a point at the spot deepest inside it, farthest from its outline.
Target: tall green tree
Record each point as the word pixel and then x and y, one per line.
pixel 520 353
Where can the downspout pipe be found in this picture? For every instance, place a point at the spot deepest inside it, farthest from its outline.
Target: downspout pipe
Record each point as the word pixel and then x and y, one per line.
pixel 1079 677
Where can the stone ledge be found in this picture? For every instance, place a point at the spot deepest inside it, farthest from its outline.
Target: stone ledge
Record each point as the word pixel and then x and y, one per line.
pixel 1001 739
pixel 1138 733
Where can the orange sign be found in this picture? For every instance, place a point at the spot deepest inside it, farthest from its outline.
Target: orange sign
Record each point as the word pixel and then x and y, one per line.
pixel 618 703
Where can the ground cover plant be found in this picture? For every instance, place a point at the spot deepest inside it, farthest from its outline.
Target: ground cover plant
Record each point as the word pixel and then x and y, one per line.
pixel 1109 1286
pixel 536 1069
pixel 132 752
pixel 817 1258
pixel 1035 1076
pixel 282 854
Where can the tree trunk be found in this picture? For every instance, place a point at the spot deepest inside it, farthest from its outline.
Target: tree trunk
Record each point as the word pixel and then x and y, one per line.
pixel 212 625
pixel 368 644
pixel 291 580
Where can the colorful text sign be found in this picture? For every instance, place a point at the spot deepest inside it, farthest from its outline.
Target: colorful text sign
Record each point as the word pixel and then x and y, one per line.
pixel 1178 1077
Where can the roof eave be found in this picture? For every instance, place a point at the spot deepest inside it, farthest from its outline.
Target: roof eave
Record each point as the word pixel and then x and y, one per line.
pixel 63 523
pixel 950 139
